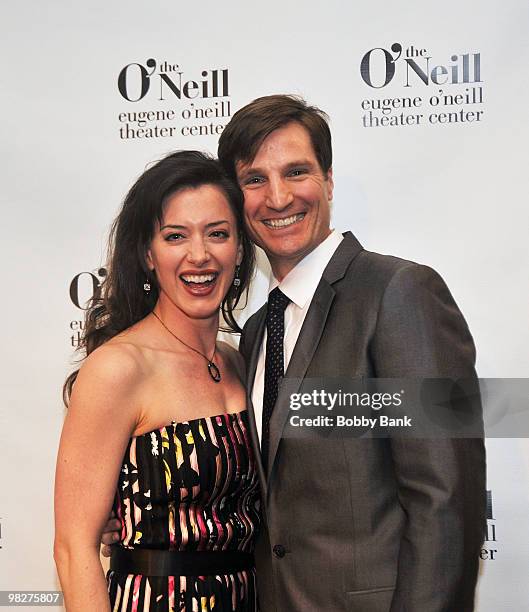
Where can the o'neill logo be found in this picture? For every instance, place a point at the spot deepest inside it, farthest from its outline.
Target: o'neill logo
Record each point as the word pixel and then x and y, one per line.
pixel 417 68
pixel 488 552
pixel 454 92
pixel 135 80
pixel 83 287
pixel 204 93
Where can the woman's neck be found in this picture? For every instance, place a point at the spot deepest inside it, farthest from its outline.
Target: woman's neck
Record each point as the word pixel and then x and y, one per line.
pixel 200 334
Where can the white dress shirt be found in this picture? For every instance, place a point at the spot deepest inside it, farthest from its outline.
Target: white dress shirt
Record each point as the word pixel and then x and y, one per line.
pixel 299 285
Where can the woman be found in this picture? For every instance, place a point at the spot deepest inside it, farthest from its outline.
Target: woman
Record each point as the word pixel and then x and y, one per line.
pixel 156 419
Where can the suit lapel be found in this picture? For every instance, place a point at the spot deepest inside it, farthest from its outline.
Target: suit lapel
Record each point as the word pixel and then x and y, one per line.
pixel 255 337
pixel 309 338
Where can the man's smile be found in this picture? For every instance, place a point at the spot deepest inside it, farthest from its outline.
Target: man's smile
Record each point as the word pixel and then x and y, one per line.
pixel 284 222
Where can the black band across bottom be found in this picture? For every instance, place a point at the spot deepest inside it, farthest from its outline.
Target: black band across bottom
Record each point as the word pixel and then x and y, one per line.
pixel 150 562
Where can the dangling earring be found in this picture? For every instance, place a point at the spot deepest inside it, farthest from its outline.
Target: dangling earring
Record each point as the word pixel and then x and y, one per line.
pixel 147 287
pixel 236 279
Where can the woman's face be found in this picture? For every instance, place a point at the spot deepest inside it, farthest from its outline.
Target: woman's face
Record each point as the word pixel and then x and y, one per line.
pixel 194 250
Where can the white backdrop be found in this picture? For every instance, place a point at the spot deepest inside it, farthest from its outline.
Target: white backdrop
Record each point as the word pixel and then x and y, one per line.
pixel 452 195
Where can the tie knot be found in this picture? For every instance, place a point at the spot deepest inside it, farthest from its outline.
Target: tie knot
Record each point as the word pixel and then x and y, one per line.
pixel 277 300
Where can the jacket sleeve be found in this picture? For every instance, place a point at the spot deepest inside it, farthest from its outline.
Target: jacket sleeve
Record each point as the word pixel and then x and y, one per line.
pixel 420 332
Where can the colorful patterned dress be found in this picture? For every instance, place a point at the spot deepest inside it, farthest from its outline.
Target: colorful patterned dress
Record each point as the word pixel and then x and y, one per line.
pixel 189 486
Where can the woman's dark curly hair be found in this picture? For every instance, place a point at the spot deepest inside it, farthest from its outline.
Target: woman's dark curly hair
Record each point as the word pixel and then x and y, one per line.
pixel 121 302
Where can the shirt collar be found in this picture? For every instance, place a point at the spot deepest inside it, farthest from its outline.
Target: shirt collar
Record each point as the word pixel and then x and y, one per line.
pixel 300 284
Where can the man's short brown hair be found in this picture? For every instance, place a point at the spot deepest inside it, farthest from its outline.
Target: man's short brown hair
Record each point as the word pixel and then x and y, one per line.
pixel 250 125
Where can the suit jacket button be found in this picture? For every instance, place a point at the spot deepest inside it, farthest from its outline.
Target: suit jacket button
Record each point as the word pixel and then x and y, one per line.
pixel 279 551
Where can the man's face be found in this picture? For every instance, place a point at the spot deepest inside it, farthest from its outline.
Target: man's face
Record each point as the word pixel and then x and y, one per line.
pixel 286 197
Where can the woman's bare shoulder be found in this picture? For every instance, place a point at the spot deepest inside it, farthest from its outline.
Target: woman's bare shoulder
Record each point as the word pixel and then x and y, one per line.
pixel 112 373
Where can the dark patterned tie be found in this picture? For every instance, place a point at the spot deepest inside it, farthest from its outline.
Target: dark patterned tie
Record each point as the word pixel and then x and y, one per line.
pixel 274 362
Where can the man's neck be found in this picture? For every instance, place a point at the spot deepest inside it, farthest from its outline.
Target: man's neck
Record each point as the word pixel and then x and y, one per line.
pixel 281 266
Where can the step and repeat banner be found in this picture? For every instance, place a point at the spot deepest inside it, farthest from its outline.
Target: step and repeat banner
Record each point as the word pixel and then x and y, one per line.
pixel 427 103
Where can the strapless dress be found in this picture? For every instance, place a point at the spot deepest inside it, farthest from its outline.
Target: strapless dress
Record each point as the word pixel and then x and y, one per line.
pixel 190 487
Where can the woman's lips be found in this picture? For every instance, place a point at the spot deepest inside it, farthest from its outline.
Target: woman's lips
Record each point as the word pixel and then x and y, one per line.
pixel 194 284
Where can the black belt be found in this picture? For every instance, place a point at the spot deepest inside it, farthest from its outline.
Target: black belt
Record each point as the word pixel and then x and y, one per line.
pixel 150 562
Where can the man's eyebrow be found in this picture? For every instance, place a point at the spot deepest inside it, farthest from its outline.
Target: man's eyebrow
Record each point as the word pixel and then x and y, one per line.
pixel 250 170
pixel 211 224
pixel 300 162
pixel 293 164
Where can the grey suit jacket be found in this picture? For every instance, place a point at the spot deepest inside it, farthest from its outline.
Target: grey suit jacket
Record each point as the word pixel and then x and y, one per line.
pixel 371 525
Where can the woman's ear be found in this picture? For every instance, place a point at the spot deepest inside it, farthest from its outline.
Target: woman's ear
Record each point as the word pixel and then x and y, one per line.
pixel 148 260
pixel 240 254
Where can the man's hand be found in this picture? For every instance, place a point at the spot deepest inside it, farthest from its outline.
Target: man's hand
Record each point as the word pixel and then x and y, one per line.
pixel 110 535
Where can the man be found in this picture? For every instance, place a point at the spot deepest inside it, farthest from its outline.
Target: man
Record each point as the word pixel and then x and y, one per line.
pixel 363 525
pixel 371 525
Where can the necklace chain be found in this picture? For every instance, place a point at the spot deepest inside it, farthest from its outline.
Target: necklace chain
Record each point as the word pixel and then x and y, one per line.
pixel 213 369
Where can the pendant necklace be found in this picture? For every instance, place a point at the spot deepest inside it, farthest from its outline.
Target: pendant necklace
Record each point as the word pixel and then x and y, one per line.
pixel 213 370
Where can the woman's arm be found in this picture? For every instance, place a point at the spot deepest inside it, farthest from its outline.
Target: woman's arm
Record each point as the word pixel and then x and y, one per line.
pixel 99 422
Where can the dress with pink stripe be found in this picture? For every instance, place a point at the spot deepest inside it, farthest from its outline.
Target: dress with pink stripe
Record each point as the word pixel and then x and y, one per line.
pixel 189 486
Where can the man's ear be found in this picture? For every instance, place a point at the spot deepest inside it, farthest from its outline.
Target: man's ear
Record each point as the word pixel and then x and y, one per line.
pixel 330 183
